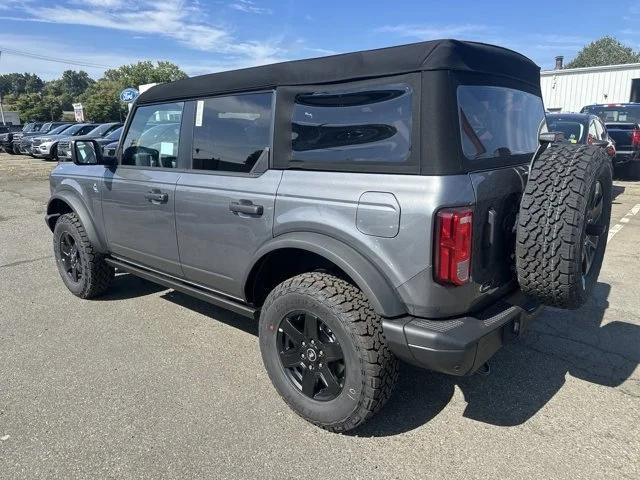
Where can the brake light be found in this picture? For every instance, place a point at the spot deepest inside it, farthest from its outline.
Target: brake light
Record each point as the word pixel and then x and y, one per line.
pixel 635 138
pixel 453 246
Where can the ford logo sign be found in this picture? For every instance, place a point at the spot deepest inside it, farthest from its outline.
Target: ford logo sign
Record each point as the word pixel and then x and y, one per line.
pixel 128 95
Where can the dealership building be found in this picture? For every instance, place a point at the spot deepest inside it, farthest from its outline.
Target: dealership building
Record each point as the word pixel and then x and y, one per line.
pixel 570 89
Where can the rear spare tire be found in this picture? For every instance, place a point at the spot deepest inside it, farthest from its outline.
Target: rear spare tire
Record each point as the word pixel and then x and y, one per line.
pixel 563 223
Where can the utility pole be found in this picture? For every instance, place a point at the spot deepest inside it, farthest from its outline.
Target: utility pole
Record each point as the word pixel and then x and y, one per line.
pixel 1 109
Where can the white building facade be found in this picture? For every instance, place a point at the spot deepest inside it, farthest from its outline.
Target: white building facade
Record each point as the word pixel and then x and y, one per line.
pixel 568 90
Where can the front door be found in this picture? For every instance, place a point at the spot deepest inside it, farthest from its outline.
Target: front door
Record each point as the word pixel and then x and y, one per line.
pixel 225 204
pixel 138 198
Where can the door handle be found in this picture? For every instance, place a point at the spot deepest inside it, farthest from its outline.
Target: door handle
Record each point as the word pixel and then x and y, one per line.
pixel 157 197
pixel 247 207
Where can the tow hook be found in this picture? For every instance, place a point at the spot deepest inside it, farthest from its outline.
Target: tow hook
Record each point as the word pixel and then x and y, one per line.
pixel 484 370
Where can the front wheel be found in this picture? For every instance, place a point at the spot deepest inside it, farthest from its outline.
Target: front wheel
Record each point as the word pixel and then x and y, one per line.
pixel 83 270
pixel 323 348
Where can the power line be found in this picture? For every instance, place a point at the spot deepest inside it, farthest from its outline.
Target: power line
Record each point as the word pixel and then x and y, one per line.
pixel 46 58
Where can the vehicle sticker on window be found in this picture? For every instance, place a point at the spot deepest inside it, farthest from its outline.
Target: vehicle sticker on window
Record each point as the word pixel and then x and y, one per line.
pixel 166 148
pixel 199 112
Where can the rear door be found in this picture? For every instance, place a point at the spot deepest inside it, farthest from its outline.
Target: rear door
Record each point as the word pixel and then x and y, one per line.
pixel 224 204
pixel 138 198
pixel 499 127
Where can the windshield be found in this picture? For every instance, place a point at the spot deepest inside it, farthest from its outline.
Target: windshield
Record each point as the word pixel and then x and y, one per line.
pixel 46 127
pixel 74 128
pixel 498 121
pixel 615 113
pixel 83 130
pixel 100 130
pixel 573 130
pixel 58 129
pixel 115 135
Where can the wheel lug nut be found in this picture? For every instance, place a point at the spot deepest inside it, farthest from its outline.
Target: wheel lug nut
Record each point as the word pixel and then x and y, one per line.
pixel 310 367
pixel 320 366
pixel 320 353
pixel 303 344
pixel 303 356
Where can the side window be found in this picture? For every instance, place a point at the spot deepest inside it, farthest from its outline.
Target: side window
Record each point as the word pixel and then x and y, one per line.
pixel 154 136
pixel 593 132
pixel 350 128
pixel 602 132
pixel 231 132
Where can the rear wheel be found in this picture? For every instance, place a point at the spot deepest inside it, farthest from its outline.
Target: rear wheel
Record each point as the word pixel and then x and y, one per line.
pixel 323 348
pixel 563 223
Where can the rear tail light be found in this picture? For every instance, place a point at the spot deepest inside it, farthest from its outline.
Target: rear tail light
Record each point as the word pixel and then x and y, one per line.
pixel 635 138
pixel 453 245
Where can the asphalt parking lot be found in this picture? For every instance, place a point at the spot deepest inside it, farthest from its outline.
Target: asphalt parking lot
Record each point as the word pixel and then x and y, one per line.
pixel 150 383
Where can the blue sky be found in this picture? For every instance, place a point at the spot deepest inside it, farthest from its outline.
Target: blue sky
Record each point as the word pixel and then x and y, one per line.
pixel 211 35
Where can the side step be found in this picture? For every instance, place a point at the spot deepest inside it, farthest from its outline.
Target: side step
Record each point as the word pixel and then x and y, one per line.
pixel 189 289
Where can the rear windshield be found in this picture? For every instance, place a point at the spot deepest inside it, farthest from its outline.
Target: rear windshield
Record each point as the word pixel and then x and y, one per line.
pixel 629 113
pixel 498 121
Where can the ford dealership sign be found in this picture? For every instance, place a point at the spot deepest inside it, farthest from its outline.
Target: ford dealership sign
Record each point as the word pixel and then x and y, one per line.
pixel 128 95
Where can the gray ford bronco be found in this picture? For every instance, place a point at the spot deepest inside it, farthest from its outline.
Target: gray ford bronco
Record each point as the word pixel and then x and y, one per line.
pixel 405 204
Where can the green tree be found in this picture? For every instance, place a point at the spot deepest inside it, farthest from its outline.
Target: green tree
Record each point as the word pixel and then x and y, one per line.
pixel 101 100
pixel 102 103
pixel 144 72
pixel 605 51
pixel 19 83
pixel 34 106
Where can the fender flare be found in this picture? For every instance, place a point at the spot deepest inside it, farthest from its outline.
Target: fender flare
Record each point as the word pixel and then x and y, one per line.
pixel 80 209
pixel 378 290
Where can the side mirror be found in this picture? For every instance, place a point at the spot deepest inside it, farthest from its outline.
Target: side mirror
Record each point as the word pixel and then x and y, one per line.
pixel 89 152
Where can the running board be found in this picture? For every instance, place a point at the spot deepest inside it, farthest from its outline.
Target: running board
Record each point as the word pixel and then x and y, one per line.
pixel 201 293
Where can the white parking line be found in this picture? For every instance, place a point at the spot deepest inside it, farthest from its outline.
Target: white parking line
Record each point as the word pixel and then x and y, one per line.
pixel 618 226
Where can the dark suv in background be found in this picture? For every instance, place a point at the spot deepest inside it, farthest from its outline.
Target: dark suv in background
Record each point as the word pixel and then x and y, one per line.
pixel 623 123
pixel 366 207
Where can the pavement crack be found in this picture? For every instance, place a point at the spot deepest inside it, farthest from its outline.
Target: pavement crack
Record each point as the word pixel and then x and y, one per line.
pixel 22 262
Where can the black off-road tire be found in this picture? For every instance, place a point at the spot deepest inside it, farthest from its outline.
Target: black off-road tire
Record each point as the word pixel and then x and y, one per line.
pixel 96 274
pixel 9 150
pixel 554 223
pixel 371 369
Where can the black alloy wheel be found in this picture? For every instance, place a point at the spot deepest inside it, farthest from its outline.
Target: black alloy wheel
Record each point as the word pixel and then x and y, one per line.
pixel 311 356
pixel 70 257
pixel 593 229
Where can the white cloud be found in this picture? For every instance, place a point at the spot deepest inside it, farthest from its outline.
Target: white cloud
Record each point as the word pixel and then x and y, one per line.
pixel 180 20
pixel 249 7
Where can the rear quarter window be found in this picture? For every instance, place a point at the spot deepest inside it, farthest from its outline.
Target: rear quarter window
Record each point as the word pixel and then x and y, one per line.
pixel 498 122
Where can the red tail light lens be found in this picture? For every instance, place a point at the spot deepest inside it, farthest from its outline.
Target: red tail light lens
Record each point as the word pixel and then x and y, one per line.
pixel 635 138
pixel 453 245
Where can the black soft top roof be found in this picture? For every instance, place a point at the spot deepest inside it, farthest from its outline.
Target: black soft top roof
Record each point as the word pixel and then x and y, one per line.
pixel 433 55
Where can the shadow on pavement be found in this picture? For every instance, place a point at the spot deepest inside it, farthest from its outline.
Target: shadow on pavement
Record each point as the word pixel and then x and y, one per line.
pixel 525 374
pixel 126 286
pixel 617 190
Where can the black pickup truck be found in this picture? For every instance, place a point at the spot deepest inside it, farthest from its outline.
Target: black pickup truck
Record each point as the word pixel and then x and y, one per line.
pixel 623 124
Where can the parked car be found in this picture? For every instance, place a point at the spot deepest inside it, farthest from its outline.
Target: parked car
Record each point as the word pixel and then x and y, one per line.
pixel 46 147
pixel 623 123
pixel 31 128
pixel 102 134
pixel 391 204
pixel 6 136
pixel 583 129
pixel 26 141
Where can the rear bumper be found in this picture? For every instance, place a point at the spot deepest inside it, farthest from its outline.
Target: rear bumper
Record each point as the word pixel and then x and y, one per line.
pixel 625 157
pixel 459 346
